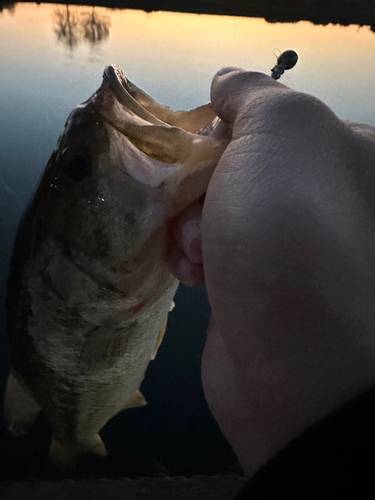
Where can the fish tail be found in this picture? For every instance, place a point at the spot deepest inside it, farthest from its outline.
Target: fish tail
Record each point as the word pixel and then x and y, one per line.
pixel 20 408
pixel 65 455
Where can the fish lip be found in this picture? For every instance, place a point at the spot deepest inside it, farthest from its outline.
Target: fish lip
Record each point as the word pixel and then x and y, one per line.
pixel 116 79
pixel 118 83
pixel 138 105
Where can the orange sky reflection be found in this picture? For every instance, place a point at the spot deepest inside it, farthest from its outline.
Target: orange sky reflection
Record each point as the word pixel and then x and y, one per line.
pixel 165 47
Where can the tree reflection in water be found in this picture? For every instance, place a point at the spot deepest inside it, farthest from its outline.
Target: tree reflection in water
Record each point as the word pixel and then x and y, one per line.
pixel 95 26
pixel 10 7
pixel 73 25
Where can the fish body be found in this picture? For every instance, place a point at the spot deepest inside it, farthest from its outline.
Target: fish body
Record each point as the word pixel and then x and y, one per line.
pixel 89 288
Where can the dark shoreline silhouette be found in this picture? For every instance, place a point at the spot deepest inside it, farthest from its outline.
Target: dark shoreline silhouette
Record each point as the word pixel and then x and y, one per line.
pixel 343 12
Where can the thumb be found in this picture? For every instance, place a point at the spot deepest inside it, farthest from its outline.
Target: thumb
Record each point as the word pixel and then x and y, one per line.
pixel 235 89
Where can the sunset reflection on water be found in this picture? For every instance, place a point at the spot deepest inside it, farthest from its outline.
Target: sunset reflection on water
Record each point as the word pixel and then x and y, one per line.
pixel 166 51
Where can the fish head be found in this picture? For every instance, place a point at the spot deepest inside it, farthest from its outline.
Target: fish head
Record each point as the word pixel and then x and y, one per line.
pixel 124 165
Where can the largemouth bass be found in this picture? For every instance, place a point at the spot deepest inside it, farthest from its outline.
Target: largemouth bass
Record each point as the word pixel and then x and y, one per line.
pixel 89 287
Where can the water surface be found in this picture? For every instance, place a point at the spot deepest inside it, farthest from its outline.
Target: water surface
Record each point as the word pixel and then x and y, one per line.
pixel 52 57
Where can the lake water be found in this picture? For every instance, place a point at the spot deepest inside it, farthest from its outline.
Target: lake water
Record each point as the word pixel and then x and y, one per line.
pixel 51 58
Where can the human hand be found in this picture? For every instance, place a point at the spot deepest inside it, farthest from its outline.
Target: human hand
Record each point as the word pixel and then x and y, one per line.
pixel 288 243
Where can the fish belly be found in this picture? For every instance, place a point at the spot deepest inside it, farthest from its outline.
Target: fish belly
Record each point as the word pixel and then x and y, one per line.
pixel 81 402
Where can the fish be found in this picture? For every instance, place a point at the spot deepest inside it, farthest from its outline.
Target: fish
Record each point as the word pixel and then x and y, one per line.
pixel 89 288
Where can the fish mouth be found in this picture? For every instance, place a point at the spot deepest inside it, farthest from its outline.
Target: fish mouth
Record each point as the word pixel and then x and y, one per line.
pixel 124 91
pixel 155 137
pixel 139 103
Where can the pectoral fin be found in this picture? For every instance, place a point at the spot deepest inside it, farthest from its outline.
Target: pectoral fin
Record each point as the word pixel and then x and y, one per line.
pixel 136 401
pixel 20 408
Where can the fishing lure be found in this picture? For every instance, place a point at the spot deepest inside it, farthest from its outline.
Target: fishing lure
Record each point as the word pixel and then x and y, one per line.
pixel 286 60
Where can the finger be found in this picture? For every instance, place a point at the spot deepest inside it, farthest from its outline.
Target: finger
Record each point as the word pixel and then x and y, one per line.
pixel 367 131
pixel 189 273
pixel 234 89
pixel 187 232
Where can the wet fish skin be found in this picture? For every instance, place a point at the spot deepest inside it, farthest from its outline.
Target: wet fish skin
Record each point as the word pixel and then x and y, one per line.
pixel 89 287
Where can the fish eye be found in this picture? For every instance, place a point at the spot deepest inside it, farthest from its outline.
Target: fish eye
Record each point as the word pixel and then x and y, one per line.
pixel 76 164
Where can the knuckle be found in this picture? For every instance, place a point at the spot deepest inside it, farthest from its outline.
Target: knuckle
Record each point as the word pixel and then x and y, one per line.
pixel 297 105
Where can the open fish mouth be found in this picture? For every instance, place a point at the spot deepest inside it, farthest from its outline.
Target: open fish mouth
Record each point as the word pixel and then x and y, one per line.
pixel 175 138
pixel 145 107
